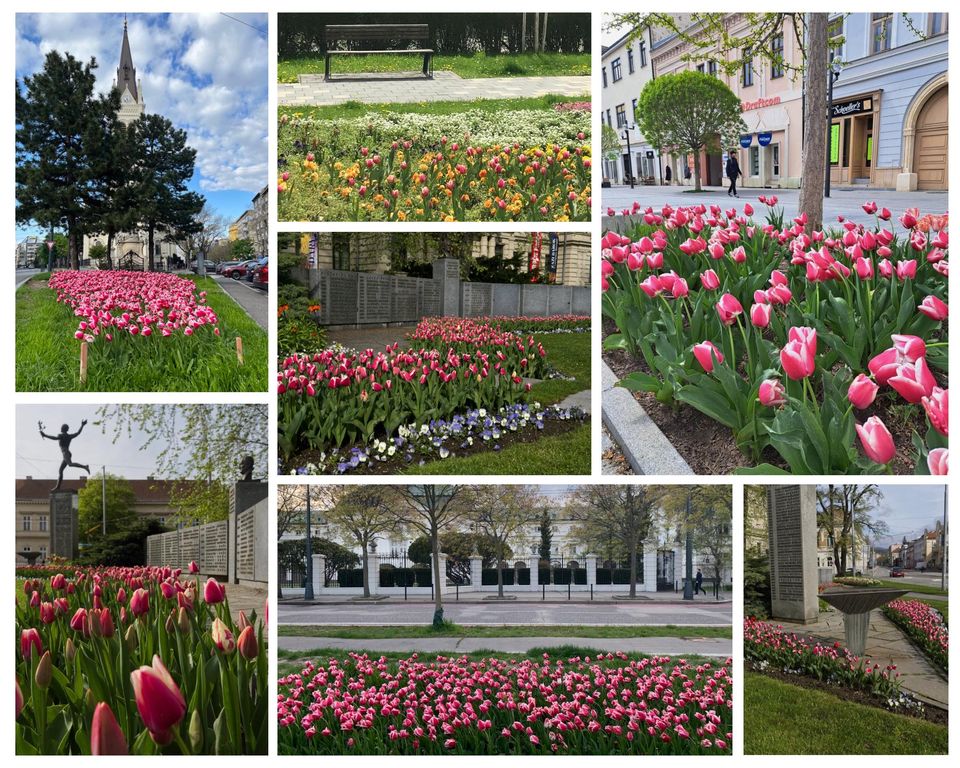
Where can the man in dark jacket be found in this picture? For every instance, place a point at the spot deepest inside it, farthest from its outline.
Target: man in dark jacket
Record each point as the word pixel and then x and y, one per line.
pixel 733 171
pixel 698 583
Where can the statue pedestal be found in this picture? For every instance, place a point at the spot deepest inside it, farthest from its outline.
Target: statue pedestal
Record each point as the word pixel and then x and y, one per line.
pixel 64 530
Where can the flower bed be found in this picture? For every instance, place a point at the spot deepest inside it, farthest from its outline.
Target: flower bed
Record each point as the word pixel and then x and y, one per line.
pixel 531 165
pixel 769 648
pixel 924 625
pixel 115 305
pixel 138 661
pixel 462 435
pixel 851 581
pixel 781 335
pixel 603 705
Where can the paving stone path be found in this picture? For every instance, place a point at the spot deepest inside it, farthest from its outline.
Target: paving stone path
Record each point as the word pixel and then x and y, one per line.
pixel 397 87
pixel 886 644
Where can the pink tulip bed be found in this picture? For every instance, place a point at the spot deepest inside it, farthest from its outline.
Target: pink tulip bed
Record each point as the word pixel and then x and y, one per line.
pixel 458 389
pixel 604 705
pixel 924 625
pixel 136 661
pixel 820 352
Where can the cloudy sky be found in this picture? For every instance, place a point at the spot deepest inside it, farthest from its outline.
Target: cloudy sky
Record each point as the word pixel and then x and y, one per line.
pixel 908 509
pixel 38 457
pixel 206 73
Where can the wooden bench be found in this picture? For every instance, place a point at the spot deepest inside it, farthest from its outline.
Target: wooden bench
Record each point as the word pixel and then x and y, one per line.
pixel 381 33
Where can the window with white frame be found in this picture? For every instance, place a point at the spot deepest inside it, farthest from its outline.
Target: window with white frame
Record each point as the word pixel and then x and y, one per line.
pixel 43 522
pixel 881 29
pixel 26 523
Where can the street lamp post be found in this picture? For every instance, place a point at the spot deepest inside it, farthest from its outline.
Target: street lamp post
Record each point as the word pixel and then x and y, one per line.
pixel 833 75
pixel 688 581
pixel 308 587
pixel 626 135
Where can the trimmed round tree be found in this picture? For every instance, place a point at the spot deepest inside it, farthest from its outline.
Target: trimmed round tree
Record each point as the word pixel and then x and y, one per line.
pixel 688 112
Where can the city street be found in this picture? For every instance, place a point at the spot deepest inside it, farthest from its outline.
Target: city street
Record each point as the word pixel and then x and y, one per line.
pixel 397 612
pixel 252 300
pixel 845 201
pixel 23 275
pixel 927 579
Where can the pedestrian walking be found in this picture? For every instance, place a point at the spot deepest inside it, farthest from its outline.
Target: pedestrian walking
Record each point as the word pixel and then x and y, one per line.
pixel 668 175
pixel 687 173
pixel 698 583
pixel 733 171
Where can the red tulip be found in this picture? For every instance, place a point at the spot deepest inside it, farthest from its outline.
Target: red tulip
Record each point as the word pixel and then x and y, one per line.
pixel 913 381
pixel 58 582
pixel 105 620
pixel 159 700
pixel 864 268
pixel 729 309
pixel 772 393
pixel 247 644
pixel 870 207
pixel 78 623
pixel 35 599
pixel 936 406
pixel 214 592
pixel 909 218
pixel 30 643
pixel 862 391
pixel 106 738
pixel 140 602
pixel 798 356
pixel 48 613
pixel 937 461
pixel 907 269
pixel 709 280
pixel 876 440
pixel 933 308
pixel 705 351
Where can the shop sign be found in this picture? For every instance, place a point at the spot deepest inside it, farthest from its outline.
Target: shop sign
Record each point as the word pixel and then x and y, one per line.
pixel 746 141
pixel 650 154
pixel 764 139
pixel 852 107
pixel 746 106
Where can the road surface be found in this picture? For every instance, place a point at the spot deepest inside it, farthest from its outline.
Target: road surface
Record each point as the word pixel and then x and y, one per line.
pixel 252 300
pixel 25 274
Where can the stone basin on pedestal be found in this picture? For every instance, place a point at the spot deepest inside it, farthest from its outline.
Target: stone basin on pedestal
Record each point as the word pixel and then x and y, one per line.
pixel 856 604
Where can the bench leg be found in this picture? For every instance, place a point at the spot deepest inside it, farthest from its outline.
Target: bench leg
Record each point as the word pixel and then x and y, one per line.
pixel 427 66
pixel 326 67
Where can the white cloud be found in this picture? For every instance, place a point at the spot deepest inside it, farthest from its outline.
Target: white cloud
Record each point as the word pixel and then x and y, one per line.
pixel 207 73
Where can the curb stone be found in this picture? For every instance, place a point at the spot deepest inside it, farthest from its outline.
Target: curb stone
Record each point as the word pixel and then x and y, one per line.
pixel 645 447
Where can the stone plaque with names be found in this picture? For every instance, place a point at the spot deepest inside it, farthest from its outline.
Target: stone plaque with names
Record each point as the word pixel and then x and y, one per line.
pixel 792 533
pixel 341 297
pixel 477 299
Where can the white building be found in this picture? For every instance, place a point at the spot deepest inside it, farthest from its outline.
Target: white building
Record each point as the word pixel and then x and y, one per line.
pixel 627 67
pixel 26 251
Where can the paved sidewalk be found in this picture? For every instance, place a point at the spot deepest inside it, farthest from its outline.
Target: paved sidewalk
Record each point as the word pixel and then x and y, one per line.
pixel 246 599
pixel 376 337
pixel 886 644
pixel 407 87
pixel 843 201
pixel 252 300
pixel 670 646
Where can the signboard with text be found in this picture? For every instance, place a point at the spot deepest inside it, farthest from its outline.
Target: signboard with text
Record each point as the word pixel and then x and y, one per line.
pixel 764 139
pixel 746 141
pixel 553 257
pixel 851 107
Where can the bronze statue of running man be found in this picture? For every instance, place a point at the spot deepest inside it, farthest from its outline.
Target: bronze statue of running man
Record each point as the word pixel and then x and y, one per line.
pixel 64 439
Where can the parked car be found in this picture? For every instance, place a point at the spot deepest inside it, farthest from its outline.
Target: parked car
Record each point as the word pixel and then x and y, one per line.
pixel 239 270
pixel 251 273
pixel 222 265
pixel 896 573
pixel 195 265
pixel 261 277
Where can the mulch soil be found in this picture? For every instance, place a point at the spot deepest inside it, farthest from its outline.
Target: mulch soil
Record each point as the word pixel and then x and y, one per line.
pixel 930 712
pixel 708 446
pixel 397 464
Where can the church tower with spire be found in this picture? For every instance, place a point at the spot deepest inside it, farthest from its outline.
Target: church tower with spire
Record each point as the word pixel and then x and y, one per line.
pixel 131 89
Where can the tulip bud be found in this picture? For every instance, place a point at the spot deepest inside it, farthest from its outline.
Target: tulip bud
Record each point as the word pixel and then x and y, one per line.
pixel 44 673
pixel 222 636
pixel 69 650
pixel 19 700
pixel 214 592
pixel 30 643
pixel 159 700
pixel 242 621
pixel 183 621
pixel 170 625
pixel 130 638
pixel 247 644
pixel 106 738
pixel 195 732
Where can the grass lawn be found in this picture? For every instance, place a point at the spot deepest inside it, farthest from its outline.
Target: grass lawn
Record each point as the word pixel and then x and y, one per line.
pixel 48 355
pixel 292 661
pixel 783 719
pixel 465 65
pixel 920 589
pixel 358 108
pixel 459 630
pixel 566 454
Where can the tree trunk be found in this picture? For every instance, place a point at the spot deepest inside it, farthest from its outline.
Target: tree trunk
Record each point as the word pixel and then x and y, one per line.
pixel 437 596
pixel 500 571
pixel 543 45
pixel 109 250
pixel 523 33
pixel 149 262
pixel 366 571
pixel 814 121
pixel 696 171
pixel 536 33
pixel 72 248
pixel 633 566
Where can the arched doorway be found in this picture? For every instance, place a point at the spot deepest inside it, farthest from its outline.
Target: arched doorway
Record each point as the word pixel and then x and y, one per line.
pixel 930 143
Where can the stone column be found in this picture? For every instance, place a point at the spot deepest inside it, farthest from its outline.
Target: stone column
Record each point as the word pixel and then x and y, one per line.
pixel 792 531
pixel 319 566
pixel 373 566
pixel 649 566
pixel 442 585
pixel 64 531
pixel 447 272
pixel 591 570
pixel 476 572
pixel 535 575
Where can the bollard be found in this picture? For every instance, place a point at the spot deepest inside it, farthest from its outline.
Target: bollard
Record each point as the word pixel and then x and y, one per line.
pixel 568 590
pixel 458 592
pixel 83 362
pixel 544 596
pixel 240 350
pixel 591 592
pixel 404 589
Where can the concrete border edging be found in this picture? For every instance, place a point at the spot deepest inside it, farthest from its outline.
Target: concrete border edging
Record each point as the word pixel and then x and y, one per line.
pixel 644 446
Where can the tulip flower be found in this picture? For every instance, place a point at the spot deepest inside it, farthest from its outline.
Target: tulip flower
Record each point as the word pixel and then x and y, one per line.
pixel 106 738
pixel 58 582
pixel 247 644
pixel 48 613
pixel 709 280
pixel 876 440
pixel 935 404
pixel 760 315
pixel 907 269
pixel 772 393
pixel 729 309
pixel 44 674
pixel 862 391
pixel 159 700
pixel 30 643
pixel 214 592
pixel 140 602
pixel 222 636
pixel 913 381
pixel 705 351
pixel 933 308
pixel 798 356
pixel 937 461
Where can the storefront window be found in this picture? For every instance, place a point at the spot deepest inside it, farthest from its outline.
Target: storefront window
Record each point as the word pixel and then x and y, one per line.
pixel 754 161
pixel 834 143
pixel 775 155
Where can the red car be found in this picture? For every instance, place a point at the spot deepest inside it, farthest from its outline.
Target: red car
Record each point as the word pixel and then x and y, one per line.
pixel 896 573
pixel 260 278
pixel 239 270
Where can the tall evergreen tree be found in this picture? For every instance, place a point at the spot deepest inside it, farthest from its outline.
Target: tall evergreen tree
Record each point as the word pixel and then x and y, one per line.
pixel 163 164
pixel 58 122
